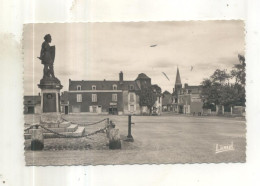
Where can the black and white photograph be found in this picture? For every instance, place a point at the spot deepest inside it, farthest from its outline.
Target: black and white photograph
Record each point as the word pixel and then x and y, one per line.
pixel 116 93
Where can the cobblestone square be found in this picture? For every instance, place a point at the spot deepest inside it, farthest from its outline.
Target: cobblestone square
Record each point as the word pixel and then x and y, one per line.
pixel 157 139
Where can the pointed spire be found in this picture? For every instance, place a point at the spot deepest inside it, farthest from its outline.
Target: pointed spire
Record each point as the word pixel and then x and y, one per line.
pixel 178 77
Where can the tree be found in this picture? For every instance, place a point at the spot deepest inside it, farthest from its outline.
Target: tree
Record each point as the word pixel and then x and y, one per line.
pixel 156 89
pixel 239 71
pixel 216 91
pixel 220 76
pixel 148 96
pixel 210 93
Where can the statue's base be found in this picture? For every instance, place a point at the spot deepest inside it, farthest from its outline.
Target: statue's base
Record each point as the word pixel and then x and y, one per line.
pixel 55 124
pixel 51 115
pixel 64 128
pixel 50 83
pixel 50 119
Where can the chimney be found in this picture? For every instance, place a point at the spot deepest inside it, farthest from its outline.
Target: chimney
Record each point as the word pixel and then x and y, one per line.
pixel 121 76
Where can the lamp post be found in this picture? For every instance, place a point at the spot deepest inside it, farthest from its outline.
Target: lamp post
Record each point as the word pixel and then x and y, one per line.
pixel 129 136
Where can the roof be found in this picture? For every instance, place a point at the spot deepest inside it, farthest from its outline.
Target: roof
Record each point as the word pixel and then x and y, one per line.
pixel 102 85
pixel 194 89
pixel 178 78
pixel 142 76
pixel 32 100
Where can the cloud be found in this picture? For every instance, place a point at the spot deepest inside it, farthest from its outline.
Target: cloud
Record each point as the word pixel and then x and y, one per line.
pixel 101 50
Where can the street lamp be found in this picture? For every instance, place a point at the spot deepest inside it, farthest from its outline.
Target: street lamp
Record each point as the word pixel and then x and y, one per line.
pixel 129 136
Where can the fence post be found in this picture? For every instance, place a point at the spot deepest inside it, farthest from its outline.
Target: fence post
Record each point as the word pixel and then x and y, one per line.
pixel 129 136
pixel 107 124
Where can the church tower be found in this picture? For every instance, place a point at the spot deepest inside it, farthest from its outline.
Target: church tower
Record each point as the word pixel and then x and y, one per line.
pixel 178 85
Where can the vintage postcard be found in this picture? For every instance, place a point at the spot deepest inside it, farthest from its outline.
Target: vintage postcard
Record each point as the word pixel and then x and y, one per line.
pixel 134 93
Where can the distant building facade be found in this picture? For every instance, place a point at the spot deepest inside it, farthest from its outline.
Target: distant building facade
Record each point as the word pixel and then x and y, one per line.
pixel 32 104
pixel 64 102
pixel 187 99
pixel 167 100
pixel 106 97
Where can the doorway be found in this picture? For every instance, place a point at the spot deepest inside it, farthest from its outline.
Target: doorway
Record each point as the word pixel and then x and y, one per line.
pixel 112 111
pixel 66 110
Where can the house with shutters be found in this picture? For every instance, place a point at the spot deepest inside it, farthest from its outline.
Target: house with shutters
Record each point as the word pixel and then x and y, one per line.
pixel 107 96
pixel 187 99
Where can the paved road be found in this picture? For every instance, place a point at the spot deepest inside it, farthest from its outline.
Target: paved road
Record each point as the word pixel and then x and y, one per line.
pixel 158 139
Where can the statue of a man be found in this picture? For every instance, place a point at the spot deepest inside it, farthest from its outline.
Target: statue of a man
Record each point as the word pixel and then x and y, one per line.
pixel 47 57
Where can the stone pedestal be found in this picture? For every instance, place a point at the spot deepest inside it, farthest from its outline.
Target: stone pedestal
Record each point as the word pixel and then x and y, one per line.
pixel 50 101
pixel 51 115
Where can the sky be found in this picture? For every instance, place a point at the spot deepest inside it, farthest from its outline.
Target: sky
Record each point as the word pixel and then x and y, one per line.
pixel 98 51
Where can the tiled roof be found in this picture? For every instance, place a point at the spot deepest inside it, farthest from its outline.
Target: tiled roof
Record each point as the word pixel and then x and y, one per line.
pixel 142 76
pixel 102 85
pixel 32 100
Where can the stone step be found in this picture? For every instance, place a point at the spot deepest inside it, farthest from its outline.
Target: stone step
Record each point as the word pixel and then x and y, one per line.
pixel 72 128
pixel 51 125
pixel 65 124
pixel 59 130
pixel 79 132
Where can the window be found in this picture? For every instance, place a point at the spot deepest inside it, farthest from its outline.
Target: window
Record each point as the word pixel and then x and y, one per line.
pixel 78 87
pixel 94 97
pixel 94 87
pixel 114 87
pixel 132 99
pixel 131 87
pixel 114 97
pixel 79 97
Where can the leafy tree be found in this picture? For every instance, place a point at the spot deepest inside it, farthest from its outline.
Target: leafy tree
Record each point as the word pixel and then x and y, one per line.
pixel 148 96
pixel 215 90
pixel 220 76
pixel 211 93
pixel 156 89
pixel 239 71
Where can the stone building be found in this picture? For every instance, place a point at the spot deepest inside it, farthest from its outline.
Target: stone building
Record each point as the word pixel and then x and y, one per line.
pixel 32 104
pixel 187 99
pixel 64 102
pixel 107 97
